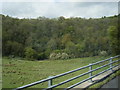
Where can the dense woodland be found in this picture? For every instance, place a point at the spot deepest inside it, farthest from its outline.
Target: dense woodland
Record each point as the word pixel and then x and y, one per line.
pixel 59 38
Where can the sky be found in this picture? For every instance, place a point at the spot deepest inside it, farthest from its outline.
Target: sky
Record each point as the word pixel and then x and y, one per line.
pixel 57 8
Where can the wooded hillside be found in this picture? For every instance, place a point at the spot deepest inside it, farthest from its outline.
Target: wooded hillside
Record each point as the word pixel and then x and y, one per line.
pixel 58 38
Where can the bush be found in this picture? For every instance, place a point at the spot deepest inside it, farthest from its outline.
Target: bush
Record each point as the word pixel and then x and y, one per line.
pixel 41 56
pixel 64 56
pixel 52 56
pixel 30 53
pixel 103 53
pixel 47 53
pixel 56 56
pixel 72 56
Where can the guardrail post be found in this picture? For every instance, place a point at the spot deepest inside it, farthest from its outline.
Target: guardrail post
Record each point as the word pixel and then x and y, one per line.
pixel 50 82
pixel 111 63
pixel 90 74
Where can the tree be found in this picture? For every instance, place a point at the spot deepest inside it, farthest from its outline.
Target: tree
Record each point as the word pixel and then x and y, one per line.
pixel 52 44
pixel 14 48
pixel 71 48
pixel 30 53
pixel 66 38
pixel 78 36
pixel 114 39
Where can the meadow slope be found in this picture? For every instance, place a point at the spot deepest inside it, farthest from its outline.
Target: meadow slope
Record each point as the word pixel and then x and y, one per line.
pixel 18 72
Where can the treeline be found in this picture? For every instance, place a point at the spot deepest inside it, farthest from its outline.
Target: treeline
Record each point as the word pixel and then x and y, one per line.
pixel 57 38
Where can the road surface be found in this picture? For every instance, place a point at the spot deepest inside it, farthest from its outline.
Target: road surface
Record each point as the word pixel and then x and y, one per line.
pixel 114 83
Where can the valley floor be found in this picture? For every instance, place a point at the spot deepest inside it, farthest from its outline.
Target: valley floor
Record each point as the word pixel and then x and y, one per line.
pixel 18 72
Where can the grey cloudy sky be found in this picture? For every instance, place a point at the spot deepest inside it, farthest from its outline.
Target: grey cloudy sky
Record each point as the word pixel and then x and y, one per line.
pixel 55 9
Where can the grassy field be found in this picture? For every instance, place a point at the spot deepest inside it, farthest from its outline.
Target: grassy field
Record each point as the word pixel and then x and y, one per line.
pixel 18 72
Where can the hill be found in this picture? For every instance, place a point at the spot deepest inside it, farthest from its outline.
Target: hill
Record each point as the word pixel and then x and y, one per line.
pixel 56 38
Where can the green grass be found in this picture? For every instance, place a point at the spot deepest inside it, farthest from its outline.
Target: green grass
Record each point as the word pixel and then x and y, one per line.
pixel 18 72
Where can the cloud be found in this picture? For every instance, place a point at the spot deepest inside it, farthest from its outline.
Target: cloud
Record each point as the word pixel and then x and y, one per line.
pixel 56 9
pixel 59 0
pixel 27 1
pixel 17 9
pixel 91 0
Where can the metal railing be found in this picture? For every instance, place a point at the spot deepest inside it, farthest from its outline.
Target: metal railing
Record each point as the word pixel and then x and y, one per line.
pixel 49 79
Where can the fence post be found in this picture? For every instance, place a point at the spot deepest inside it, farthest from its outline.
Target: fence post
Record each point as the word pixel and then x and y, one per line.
pixel 50 82
pixel 111 63
pixel 90 74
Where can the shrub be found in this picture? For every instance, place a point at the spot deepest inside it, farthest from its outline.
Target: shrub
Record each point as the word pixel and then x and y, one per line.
pixel 64 56
pixel 57 51
pixel 30 53
pixel 72 56
pixel 56 56
pixel 47 53
pixel 41 56
pixel 103 53
pixel 52 56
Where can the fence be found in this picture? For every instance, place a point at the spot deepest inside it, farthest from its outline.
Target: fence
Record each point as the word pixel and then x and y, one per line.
pixel 49 79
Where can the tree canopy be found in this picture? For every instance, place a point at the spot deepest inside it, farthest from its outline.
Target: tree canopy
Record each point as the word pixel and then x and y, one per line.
pixel 77 37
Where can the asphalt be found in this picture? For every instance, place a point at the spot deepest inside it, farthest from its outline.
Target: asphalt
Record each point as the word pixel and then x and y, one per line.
pixel 114 83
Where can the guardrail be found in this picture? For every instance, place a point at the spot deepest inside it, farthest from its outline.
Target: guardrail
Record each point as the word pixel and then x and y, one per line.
pixel 49 79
